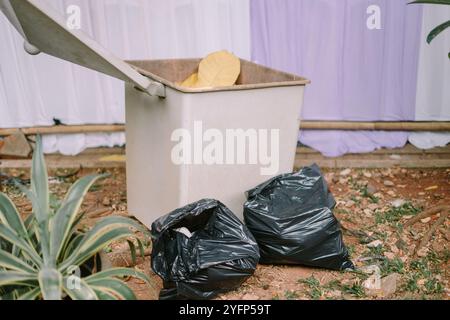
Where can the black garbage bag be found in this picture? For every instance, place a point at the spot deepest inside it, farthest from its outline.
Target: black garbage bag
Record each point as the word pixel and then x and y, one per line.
pixel 202 250
pixel 291 218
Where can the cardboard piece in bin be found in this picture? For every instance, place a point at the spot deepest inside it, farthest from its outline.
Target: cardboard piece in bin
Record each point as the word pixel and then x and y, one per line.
pixel 218 69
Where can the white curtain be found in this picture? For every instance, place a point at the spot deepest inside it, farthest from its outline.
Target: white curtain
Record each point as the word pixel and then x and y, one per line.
pixel 433 86
pixel 34 90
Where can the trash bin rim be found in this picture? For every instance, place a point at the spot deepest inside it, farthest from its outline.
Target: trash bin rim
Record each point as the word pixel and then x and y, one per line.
pixel 298 80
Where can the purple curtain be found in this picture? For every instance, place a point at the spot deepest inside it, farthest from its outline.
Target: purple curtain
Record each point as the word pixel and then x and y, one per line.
pixel 357 73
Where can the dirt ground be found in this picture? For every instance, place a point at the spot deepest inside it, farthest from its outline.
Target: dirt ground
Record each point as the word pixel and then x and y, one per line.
pixel 372 205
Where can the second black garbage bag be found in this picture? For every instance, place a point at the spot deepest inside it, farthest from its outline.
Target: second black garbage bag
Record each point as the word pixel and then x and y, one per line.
pixel 291 218
pixel 202 250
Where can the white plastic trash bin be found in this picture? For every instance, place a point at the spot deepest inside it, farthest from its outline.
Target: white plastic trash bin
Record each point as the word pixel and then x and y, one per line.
pixel 182 144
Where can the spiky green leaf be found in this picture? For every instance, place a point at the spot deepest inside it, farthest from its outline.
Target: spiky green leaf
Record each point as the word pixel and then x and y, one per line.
pixel 118 272
pixel 141 248
pixel 10 278
pixel 107 224
pixel 10 216
pixel 101 235
pixel 11 262
pixel 39 182
pixel 42 233
pixel 61 224
pixel 12 237
pixel 436 31
pixel 132 251
pixel 81 255
pixel 50 282
pixel 103 295
pixel 72 244
pixel 30 295
pixel 115 287
pixel 445 2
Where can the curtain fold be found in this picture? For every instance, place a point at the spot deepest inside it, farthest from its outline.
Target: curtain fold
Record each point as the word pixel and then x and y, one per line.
pixel 433 84
pixel 34 90
pixel 356 73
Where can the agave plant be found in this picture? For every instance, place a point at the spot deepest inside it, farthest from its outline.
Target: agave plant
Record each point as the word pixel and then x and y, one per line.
pixel 440 28
pixel 39 255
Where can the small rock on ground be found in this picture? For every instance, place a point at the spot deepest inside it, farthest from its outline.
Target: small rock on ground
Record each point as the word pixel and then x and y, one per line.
pixel 423 252
pixel 388 183
pixel 375 244
pixel 389 284
pixel 425 220
pixel 249 296
pixel 367 174
pixel 383 288
pixel 389 255
pixel 350 204
pixel 397 203
pixel 15 145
